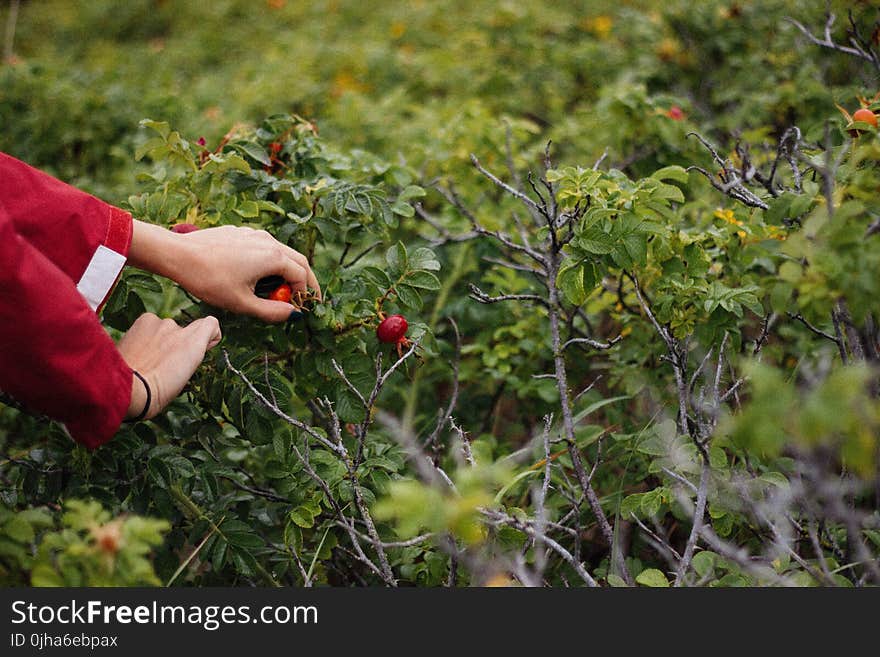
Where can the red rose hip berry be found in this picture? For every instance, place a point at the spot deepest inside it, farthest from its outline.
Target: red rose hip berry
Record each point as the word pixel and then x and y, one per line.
pixel 392 329
pixel 862 115
pixel 281 293
pixel 866 116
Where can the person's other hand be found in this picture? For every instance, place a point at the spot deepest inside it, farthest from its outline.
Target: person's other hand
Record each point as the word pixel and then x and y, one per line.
pixel 166 355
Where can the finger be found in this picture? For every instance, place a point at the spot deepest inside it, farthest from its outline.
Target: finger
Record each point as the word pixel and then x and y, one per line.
pixel 145 325
pixel 167 326
pixel 303 262
pixel 295 274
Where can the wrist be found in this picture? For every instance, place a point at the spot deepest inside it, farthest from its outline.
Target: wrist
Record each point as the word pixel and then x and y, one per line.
pixel 158 250
pixel 138 407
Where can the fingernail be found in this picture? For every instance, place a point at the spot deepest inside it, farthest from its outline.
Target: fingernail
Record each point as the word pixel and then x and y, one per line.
pixel 294 316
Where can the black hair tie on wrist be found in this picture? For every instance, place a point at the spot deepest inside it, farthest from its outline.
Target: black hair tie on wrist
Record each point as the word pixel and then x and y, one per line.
pixel 144 412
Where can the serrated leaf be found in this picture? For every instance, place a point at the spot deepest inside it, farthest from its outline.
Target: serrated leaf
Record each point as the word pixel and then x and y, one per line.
pixel 378 276
pixel 571 281
pixel 668 192
pixel 246 539
pixel 348 406
pixel 396 259
pixel 409 296
pixel 424 280
pixel 596 241
pixel 424 258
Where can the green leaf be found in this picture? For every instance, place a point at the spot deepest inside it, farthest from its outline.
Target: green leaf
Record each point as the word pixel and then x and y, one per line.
pixel 150 146
pixel 424 258
pixel 244 562
pixel 403 209
pixel 595 406
pixel 799 206
pixel 159 126
pixel 674 172
pixel 377 275
pixel 248 210
pixel 254 151
pixel 668 192
pixel 144 281
pixel 411 192
pixel 636 246
pixel 302 517
pixel 653 578
pixel 348 406
pixel 596 241
pixel 247 539
pixel 409 296
pixel 571 281
pixel 424 280
pixel 396 259
pixel 218 554
pixel 19 529
pixel 703 563
pixel 615 581
pixel 45 575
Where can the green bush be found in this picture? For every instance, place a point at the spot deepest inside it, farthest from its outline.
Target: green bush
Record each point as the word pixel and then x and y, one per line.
pixel 643 354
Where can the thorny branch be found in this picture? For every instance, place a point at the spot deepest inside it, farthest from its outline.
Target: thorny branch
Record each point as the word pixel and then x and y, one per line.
pixel 549 257
pixel 383 570
pixel 728 180
pixel 860 47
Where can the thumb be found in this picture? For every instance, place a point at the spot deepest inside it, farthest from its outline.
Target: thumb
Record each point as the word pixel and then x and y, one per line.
pixel 270 311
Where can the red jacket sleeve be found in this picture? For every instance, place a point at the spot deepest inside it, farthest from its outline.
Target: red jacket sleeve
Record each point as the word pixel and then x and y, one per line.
pixel 61 251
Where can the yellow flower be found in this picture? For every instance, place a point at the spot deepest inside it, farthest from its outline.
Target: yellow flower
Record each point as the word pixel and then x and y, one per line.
pixel 397 29
pixel 668 49
pixel 601 26
pixel 776 233
pixel 345 81
pixel 725 215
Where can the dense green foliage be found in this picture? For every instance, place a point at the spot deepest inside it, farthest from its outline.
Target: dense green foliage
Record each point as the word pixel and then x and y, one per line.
pixel 701 329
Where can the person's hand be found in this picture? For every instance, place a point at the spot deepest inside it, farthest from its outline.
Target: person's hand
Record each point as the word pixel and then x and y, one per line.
pixel 222 265
pixel 166 355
